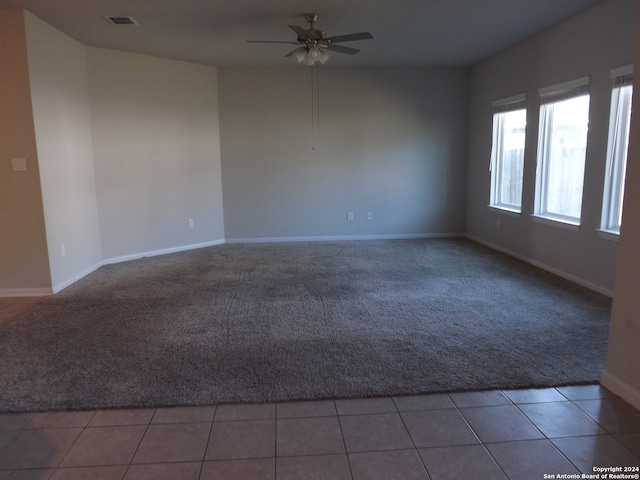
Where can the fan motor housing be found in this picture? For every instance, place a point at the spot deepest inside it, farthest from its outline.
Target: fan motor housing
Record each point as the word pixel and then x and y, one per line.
pixel 314 34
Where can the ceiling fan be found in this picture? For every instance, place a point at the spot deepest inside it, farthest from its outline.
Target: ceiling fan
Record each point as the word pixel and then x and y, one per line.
pixel 315 43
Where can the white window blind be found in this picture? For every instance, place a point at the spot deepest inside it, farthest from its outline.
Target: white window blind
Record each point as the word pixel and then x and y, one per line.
pixel 562 143
pixel 617 148
pixel 507 152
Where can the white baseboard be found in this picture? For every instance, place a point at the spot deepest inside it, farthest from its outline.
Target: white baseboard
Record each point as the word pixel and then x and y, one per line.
pixel 154 253
pixel 621 388
pixel 75 278
pixel 25 292
pixel 567 276
pixel 126 258
pixel 342 238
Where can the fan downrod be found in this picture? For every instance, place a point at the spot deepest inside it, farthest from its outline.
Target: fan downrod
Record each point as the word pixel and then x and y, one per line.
pixel 312 18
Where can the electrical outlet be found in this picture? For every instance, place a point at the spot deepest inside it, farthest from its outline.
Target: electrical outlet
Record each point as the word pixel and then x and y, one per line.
pixel 191 223
pixel 350 216
pixel 63 250
pixel 498 222
pixel 369 215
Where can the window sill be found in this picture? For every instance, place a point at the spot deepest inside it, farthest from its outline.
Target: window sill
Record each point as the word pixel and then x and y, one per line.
pixel 612 235
pixel 555 222
pixel 507 211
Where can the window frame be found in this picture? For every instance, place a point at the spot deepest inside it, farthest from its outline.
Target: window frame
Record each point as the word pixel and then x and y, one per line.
pixel 501 107
pixel 617 149
pixel 549 96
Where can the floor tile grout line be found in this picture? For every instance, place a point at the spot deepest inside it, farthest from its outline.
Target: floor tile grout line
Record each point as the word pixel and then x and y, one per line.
pixel 584 412
pixel 172 462
pixel 588 415
pixel 377 450
pixel 547 438
pixel 135 451
pixel 206 446
pixel 484 445
pixel 344 442
pixel 275 442
pixel 532 422
pixel 495 461
pixel 413 442
pixel 10 439
pixel 563 454
pixel 75 441
pixel 613 437
pixel 17 430
pixel 328 454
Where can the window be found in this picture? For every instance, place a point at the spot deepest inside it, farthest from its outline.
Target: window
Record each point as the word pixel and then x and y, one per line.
pixel 619 125
pixel 507 153
pixel 564 121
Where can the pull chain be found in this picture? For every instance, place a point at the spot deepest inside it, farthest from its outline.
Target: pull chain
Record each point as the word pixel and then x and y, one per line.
pixel 315 104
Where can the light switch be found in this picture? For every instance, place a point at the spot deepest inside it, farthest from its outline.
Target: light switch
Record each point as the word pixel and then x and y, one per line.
pixel 19 164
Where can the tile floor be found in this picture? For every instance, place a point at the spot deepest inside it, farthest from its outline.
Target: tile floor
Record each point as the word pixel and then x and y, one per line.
pixel 511 434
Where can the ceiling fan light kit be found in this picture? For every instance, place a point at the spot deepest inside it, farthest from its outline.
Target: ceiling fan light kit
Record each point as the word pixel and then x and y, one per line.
pixel 314 45
pixel 309 56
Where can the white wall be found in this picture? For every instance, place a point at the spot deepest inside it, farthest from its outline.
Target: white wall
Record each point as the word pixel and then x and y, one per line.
pixel 391 141
pixel 157 152
pixel 58 74
pixel 590 44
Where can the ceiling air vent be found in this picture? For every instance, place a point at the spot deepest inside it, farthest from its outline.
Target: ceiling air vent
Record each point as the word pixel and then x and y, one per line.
pixel 121 21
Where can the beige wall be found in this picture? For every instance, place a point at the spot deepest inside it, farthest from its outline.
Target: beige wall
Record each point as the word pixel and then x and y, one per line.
pixel 390 141
pixel 157 153
pixel 622 373
pixel 24 264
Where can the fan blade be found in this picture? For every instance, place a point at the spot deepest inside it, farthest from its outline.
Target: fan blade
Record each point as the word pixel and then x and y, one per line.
pixel 272 41
pixel 341 49
pixel 301 32
pixel 350 37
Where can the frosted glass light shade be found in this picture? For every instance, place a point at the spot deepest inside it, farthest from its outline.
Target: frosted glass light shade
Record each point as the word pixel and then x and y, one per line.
pixel 324 56
pixel 300 54
pixel 309 56
pixel 314 53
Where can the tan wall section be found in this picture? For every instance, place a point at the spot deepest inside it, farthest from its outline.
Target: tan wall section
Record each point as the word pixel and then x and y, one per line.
pixel 24 262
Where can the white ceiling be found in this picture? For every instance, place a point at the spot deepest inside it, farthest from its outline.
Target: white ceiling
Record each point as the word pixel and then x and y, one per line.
pixel 406 32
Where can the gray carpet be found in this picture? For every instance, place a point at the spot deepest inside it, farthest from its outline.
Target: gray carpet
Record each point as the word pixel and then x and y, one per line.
pixel 275 322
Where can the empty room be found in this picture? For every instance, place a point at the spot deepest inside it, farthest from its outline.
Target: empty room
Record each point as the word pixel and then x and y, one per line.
pixel 246 241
